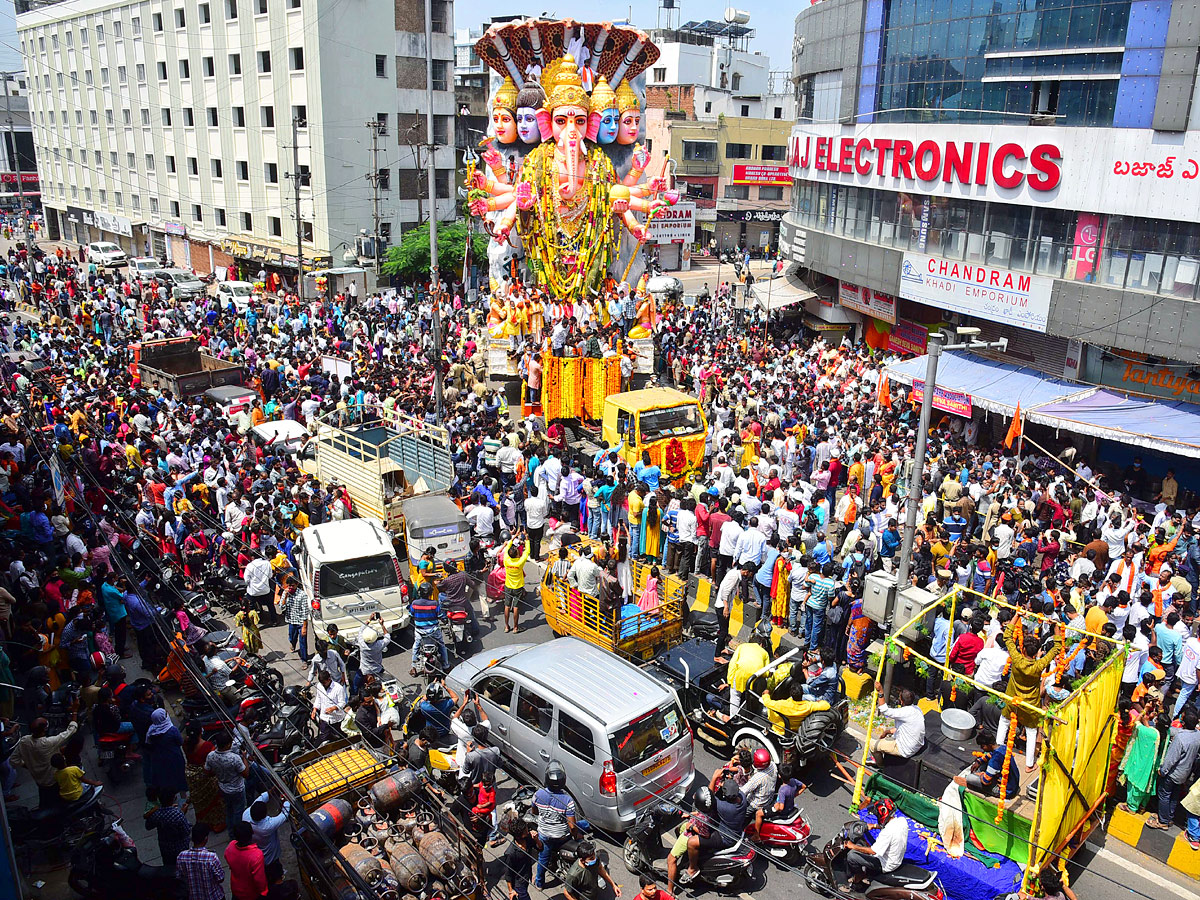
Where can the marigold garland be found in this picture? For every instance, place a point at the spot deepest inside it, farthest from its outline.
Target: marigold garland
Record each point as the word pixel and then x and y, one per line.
pixel 1008 753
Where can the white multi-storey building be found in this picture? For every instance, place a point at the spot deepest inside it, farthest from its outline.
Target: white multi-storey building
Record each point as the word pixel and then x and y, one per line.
pixel 167 125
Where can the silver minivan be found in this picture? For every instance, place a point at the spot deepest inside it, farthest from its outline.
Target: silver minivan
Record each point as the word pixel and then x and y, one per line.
pixel 620 734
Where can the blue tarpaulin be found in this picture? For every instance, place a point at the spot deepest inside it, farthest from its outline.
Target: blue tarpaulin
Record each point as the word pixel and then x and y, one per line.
pixel 964 878
pixel 994 386
pixel 1169 426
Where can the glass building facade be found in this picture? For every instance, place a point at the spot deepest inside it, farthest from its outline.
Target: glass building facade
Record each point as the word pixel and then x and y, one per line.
pixel 1138 254
pixel 976 61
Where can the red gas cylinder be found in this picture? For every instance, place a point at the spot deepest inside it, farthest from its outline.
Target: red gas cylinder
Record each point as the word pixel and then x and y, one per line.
pixel 332 817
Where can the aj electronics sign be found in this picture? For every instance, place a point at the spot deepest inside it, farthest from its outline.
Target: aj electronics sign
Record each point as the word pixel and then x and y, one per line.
pixel 1121 171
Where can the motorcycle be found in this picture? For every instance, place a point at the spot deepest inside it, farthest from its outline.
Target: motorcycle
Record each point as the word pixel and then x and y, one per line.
pixel 781 837
pixel 429 656
pixel 643 843
pixel 520 806
pixel 824 872
pixel 63 823
pixel 289 729
pixel 105 866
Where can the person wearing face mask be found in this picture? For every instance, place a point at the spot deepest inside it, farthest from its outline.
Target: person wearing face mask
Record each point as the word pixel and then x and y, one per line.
pixel 586 874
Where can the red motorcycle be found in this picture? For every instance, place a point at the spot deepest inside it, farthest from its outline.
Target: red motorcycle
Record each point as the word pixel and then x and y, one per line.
pixel 782 836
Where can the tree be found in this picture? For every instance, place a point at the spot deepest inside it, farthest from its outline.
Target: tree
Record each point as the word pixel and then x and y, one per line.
pixel 409 260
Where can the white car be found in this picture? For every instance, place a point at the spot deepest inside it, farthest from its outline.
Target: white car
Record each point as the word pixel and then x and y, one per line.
pixel 239 292
pixel 143 266
pixel 103 253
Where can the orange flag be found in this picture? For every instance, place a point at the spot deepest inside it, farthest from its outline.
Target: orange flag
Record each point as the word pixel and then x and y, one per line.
pixel 1014 430
pixel 885 393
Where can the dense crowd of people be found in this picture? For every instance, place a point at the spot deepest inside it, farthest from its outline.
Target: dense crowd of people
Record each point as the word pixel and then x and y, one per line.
pixel 802 493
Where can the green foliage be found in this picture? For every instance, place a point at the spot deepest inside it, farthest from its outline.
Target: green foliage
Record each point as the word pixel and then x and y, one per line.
pixel 409 260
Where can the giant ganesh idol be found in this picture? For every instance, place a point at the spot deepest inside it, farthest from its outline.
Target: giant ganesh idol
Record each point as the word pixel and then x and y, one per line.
pixel 576 201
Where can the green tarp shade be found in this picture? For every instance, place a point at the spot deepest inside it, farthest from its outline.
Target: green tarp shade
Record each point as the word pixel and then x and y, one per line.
pixel 1010 838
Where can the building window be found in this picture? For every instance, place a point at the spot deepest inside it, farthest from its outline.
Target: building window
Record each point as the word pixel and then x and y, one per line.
pixel 243 170
pixel 189 117
pixel 779 112
pixel 170 165
pixel 197 213
pixel 205 13
pixel 208 66
pixel 293 4
pixel 271 172
pixel 166 117
pixel 162 71
pixel 441 16
pixel 275 226
pixel 296 59
pixel 737 81
pixel 385 232
pixel 193 165
pixel 216 168
pixel 145 117
pixel 130 160
pixel 385 179
pixel 739 151
pixel 260 7
pixel 154 205
pixel 264 60
pixel 708 106
pixel 156 23
pixel 737 192
pixel 135 200
pixel 300 116
pixel 305 176
pixel 140 71
pixel 441 182
pixel 660 74
pixel 439 75
pixel 235 64
pixel 219 215
pixel 380 65
pixel 231 9
pixel 700 151
pixel 108 117
pixel 745 111
pixel 306 231
pixel 247 222
pixel 180 21
pixel 174 209
pixel 267 114
pixel 122 75
pixel 127 115
pixel 239 117
pixel 774 152
pixel 185 70
pixel 770 192
pixel 382 119
pixel 136 24
pixel 212 117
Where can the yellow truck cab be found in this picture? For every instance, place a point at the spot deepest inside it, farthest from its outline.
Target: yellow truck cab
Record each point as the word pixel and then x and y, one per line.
pixel 652 419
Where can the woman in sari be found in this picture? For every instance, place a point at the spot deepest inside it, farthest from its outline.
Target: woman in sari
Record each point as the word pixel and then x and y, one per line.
pixel 203 791
pixel 247 620
pixel 650 537
pixel 1127 721
pixel 858 632
pixel 1139 766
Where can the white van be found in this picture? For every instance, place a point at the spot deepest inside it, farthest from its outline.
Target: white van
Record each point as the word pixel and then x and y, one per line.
pixel 350 570
pixel 280 435
pixel 240 292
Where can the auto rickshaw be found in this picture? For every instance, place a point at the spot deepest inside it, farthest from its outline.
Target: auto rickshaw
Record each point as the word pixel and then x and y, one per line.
pixel 433 522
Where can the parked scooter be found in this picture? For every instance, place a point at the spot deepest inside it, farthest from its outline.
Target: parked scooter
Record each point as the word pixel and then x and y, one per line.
pixel 289 729
pixel 105 866
pixel 62 823
pixel 824 872
pixel 520 806
pixel 782 836
pixel 643 845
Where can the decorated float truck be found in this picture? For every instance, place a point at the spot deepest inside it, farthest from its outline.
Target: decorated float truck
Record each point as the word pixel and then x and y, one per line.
pixel 666 423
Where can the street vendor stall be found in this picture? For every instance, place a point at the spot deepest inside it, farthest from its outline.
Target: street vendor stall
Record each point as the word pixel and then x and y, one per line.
pixel 1057 805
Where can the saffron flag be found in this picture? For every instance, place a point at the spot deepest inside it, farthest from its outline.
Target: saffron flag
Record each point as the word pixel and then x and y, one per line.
pixel 885 393
pixel 1014 430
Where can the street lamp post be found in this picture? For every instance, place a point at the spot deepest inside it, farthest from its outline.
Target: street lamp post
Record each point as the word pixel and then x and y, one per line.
pixel 916 480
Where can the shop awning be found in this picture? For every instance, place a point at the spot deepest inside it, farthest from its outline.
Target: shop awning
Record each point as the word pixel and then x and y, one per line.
pixel 994 386
pixel 1168 426
pixel 778 293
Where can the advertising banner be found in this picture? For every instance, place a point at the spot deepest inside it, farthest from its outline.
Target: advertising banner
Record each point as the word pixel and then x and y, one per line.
pixel 674 225
pixel 989 292
pixel 756 174
pixel 864 300
pixel 908 337
pixel 1087 241
pixel 947 401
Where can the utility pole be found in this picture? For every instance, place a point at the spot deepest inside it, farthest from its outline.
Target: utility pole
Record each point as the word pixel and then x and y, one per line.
pixel 12 136
pixel 297 123
pixel 373 177
pixel 434 280
pixel 916 482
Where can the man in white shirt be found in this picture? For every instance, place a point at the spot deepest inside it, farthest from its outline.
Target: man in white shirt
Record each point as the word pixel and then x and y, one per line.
pixel 990 663
pixel 329 707
pixel 258 587
pixel 885 855
pixel 482 519
pixel 908 737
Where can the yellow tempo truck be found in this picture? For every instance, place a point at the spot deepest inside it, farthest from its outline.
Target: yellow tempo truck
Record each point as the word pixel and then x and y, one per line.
pixel 667 423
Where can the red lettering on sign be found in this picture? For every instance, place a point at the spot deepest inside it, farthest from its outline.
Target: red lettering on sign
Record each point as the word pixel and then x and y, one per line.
pixel 928 160
pixel 958 163
pixel 1007 179
pixel 844 158
pixel 981 163
pixel 822 154
pixel 882 146
pixel 862 166
pixel 1045 161
pixel 902 159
